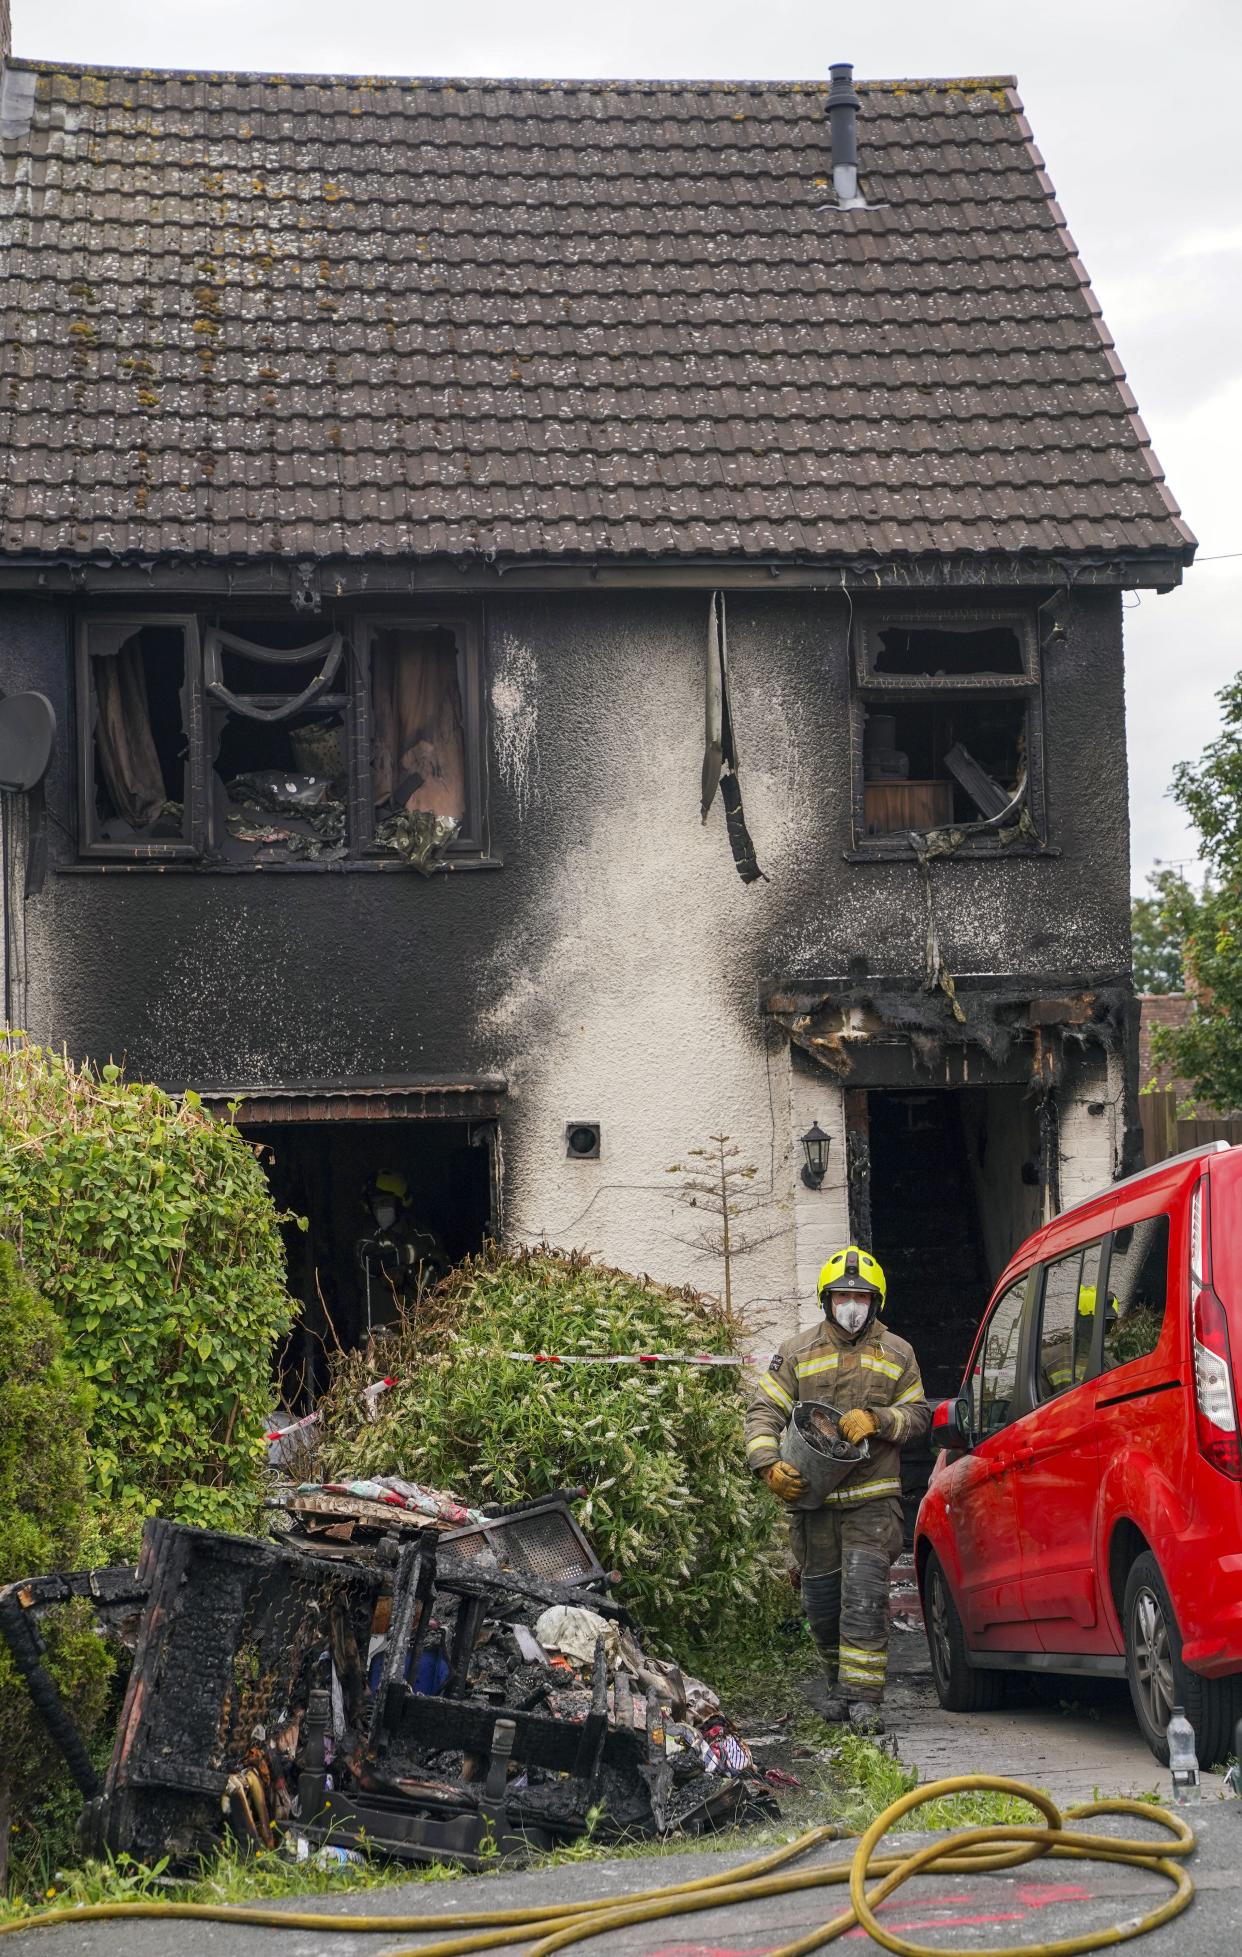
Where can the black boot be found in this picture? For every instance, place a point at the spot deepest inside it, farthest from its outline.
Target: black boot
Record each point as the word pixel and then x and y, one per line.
pixel 827 1701
pixel 865 1717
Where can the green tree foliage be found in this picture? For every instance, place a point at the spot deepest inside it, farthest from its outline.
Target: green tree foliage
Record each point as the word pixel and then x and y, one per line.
pixel 149 1228
pixel 44 1525
pixel 672 1505
pixel 1159 925
pixel 1208 1050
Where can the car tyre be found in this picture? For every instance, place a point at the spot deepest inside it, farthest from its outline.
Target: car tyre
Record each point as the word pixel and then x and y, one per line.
pixel 1157 1678
pixel 960 1686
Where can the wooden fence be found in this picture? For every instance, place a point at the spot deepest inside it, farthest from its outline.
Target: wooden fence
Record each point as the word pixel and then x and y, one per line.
pixel 1166 1133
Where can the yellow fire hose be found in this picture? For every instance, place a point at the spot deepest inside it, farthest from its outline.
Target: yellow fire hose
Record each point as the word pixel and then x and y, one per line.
pixel 969 1851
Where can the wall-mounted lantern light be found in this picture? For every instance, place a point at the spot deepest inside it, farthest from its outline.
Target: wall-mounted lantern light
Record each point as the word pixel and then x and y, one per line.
pixel 815 1146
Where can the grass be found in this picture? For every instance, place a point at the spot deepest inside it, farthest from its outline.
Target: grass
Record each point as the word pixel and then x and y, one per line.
pixel 229 1876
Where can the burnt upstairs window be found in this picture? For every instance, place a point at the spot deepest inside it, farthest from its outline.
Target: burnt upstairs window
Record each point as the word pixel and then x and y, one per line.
pixel 137 684
pixel 426 796
pixel 947 727
pixel 279 728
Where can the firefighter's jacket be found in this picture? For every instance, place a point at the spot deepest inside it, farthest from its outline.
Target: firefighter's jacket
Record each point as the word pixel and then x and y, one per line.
pixel 873 1369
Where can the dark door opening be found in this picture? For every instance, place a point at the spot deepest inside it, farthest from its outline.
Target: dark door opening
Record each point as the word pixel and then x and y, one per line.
pixel 327 1172
pixel 926 1231
pixel 953 1192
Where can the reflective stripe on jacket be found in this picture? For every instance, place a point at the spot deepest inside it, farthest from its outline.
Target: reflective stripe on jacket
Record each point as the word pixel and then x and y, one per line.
pixel 878 1371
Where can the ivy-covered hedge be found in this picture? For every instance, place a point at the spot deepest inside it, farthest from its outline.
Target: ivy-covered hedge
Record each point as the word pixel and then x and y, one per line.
pixel 671 1503
pixel 149 1228
pixel 45 1524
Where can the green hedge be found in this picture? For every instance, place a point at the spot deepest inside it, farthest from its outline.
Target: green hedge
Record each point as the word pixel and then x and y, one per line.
pixel 149 1228
pixel 44 1525
pixel 672 1504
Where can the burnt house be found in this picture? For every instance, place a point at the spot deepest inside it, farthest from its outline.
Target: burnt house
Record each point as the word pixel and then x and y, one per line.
pixel 581 616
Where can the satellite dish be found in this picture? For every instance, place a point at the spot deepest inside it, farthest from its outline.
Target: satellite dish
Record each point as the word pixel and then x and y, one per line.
pixel 27 737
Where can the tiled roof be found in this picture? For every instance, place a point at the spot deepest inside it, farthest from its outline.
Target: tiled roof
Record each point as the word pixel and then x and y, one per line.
pixel 310 316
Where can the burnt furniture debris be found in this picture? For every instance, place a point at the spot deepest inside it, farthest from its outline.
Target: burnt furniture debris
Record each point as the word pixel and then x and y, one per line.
pixel 452 1696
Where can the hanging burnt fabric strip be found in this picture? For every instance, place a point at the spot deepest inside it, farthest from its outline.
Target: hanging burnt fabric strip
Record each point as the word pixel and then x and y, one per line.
pixel 720 746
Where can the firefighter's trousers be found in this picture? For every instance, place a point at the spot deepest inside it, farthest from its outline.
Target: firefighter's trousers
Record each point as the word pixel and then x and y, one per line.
pixel 845 1555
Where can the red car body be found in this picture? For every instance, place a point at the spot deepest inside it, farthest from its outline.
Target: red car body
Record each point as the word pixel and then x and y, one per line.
pixel 1086 1512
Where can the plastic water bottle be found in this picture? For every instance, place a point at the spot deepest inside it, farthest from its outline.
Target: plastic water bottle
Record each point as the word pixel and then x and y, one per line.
pixel 1183 1761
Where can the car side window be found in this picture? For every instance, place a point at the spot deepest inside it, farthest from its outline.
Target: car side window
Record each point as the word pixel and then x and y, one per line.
pixel 1067 1319
pixel 1138 1285
pixel 994 1375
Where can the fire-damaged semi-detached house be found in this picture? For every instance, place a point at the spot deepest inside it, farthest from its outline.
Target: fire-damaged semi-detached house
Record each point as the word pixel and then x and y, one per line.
pixel 581 617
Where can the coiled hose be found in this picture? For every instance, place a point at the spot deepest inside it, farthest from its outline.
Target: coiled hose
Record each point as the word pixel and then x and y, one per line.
pixel 871 1878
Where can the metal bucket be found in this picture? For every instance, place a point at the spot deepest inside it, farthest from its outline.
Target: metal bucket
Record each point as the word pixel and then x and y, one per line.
pixel 821 1467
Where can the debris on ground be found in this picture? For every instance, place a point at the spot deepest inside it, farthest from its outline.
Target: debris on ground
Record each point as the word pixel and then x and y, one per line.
pixel 401 1671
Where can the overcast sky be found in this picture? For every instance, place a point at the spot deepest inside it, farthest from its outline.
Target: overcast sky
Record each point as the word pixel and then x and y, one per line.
pixel 1134 105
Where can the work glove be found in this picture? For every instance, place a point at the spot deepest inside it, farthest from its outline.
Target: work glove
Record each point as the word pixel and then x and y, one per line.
pixel 857 1425
pixel 784 1481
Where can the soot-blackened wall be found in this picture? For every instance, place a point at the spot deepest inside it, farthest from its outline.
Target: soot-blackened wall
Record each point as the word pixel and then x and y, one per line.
pixel 610 969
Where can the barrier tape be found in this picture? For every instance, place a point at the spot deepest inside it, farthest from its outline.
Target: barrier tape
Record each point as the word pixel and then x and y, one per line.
pixel 372 1394
pixel 638 1358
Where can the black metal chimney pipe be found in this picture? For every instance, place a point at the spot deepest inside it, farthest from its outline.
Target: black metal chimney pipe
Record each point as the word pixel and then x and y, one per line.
pixel 843 107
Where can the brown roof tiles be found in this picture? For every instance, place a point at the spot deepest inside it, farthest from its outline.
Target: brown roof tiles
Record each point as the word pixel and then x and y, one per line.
pixel 252 315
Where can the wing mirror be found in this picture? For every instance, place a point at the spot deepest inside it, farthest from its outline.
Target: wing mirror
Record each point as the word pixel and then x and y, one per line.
pixel 950 1428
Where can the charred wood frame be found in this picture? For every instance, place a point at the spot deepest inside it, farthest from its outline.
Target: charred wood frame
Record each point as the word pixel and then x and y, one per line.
pixel 886 1034
pixel 245 1652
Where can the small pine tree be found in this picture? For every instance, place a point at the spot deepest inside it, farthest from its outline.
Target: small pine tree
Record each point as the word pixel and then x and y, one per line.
pixel 44 1526
pixel 716 1182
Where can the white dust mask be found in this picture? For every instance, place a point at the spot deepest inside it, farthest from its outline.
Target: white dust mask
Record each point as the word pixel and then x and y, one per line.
pixel 851 1314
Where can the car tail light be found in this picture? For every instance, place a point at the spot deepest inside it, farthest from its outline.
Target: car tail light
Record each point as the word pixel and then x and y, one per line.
pixel 1216 1408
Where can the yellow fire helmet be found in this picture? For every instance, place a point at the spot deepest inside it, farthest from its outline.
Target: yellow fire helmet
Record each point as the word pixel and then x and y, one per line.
pixel 1087 1300
pixel 847 1270
pixel 393 1184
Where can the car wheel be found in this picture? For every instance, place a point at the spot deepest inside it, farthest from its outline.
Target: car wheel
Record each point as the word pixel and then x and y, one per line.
pixel 960 1686
pixel 1158 1679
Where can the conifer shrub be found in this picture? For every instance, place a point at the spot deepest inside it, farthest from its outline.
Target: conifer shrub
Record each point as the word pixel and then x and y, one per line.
pixel 149 1228
pixel 44 1525
pixel 671 1502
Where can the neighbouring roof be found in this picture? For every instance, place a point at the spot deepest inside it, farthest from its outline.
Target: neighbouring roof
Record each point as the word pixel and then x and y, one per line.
pixel 253 315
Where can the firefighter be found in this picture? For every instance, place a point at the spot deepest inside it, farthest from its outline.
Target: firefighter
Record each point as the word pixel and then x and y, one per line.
pixel 844 1548
pixel 399 1259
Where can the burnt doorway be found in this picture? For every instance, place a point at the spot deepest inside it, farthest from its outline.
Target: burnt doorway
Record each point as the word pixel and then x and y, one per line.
pixel 327 1173
pixel 926 1229
pixel 953 1188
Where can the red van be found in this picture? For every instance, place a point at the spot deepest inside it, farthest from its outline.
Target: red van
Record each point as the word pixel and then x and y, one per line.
pixel 1085 1510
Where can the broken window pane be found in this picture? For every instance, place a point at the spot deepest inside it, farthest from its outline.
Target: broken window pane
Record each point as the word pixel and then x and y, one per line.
pixel 936 650
pixel 418 758
pixel 137 781
pixel 280 753
pixel 941 759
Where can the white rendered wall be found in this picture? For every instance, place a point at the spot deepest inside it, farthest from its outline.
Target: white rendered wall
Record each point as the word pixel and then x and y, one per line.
pixel 1090 1143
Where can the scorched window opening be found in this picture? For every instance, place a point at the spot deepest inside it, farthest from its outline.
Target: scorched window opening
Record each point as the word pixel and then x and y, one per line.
pixel 248 740
pixel 947 725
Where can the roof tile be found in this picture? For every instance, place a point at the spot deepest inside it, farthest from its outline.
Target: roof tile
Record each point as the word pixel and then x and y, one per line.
pixel 333 316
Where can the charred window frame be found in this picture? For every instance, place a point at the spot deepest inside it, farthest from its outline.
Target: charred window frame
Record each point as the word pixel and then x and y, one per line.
pixel 242 690
pixel 281 741
pixel 140 732
pixel 960 682
pixel 388 763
